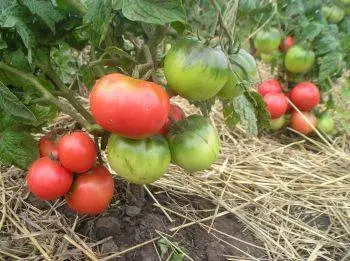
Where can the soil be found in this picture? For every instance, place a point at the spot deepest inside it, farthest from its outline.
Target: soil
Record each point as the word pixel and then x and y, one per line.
pixel 128 225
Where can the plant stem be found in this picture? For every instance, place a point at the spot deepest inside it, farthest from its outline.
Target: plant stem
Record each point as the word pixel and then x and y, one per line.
pixel 93 128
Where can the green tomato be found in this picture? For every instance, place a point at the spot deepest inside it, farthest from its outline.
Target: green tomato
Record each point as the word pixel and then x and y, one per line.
pixel 269 58
pixel 299 60
pixel 194 143
pixel 245 69
pixel 276 124
pixel 267 41
pixel 325 123
pixel 138 161
pixel 194 71
pixel 333 14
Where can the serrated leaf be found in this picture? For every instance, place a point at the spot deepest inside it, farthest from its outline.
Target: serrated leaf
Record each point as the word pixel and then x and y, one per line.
pixel 260 109
pixel 329 64
pixel 246 112
pixel 230 116
pixel 11 105
pixel 46 11
pixel 326 43
pixel 311 31
pixel 43 114
pixel 154 11
pixel 18 148
pixel 18 60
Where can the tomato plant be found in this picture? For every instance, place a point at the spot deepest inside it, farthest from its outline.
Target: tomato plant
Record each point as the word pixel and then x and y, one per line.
pixel 305 96
pixel 91 191
pixel 194 143
pixel 267 41
pixel 299 60
pixel 269 86
pixel 276 103
pixel 77 151
pixel 175 114
pixel 298 122
pixel 194 71
pixel 138 161
pixel 48 180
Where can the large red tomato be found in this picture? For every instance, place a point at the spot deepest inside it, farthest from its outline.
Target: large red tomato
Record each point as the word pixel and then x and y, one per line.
pixel 91 192
pixel 276 104
pixel 47 147
pixel 48 180
pixel 305 96
pixel 176 114
pixel 287 43
pixel 77 151
pixel 129 107
pixel 298 123
pixel 269 86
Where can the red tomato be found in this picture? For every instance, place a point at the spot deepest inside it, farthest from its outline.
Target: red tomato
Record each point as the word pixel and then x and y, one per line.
pixel 276 104
pixel 77 151
pixel 305 96
pixel 48 180
pixel 269 86
pixel 129 107
pixel 176 114
pixel 290 108
pixel 91 192
pixel 47 148
pixel 298 123
pixel 287 43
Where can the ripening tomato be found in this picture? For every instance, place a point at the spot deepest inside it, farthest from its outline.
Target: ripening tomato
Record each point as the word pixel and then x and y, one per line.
pixel 194 71
pixel 194 143
pixel 267 41
pixel 298 123
pixel 176 114
pixel 129 107
pixel 77 151
pixel 48 148
pixel 269 86
pixel 276 124
pixel 138 161
pixel 276 104
pixel 48 180
pixel 299 60
pixel 305 96
pixel 290 108
pixel 287 43
pixel 91 191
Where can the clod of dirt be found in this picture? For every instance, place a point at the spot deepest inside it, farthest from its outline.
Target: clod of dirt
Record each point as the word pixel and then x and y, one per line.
pixel 214 252
pixel 106 226
pixel 132 211
pixel 40 204
pixel 109 247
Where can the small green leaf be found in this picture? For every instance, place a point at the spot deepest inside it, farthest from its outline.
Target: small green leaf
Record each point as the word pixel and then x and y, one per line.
pixel 154 11
pixel 246 112
pixel 311 31
pixel 18 148
pixel 260 109
pixel 329 64
pixel 18 60
pixel 325 44
pixel 163 246
pixel 10 104
pixel 205 106
pixel 177 256
pixel 230 115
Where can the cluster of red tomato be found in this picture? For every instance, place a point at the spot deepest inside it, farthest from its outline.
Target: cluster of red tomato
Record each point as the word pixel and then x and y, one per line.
pixel 88 191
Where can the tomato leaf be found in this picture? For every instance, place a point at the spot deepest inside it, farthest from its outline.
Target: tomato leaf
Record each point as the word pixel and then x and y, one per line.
pixel 18 60
pixel 246 112
pixel 11 105
pixel 18 148
pixel 325 44
pixel 262 115
pixel 204 106
pixel 329 64
pixel 310 31
pixel 231 117
pixel 154 11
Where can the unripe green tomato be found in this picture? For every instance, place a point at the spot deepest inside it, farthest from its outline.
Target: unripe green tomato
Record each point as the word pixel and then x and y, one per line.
pixel 194 143
pixel 325 123
pixel 243 61
pixel 334 14
pixel 196 72
pixel 276 124
pixel 267 41
pixel 299 60
pixel 138 161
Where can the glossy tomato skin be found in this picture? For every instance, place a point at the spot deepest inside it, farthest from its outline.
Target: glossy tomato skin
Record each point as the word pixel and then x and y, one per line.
pixel 176 114
pixel 299 60
pixel 77 151
pixel 290 108
pixel 287 43
pixel 232 87
pixel 276 104
pixel 138 161
pixel 48 180
pixel 305 96
pixel 194 143
pixel 277 124
pixel 129 107
pixel 47 148
pixel 325 123
pixel 194 71
pixel 267 41
pixel 298 123
pixel 91 191
pixel 269 86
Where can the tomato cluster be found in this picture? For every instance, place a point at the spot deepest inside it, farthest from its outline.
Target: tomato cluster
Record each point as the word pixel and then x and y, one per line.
pixel 69 168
